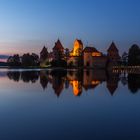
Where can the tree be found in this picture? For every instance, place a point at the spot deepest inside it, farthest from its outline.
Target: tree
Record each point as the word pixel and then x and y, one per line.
pixel 125 59
pixel 35 59
pixel 30 60
pixel 134 55
pixel 26 60
pixel 14 60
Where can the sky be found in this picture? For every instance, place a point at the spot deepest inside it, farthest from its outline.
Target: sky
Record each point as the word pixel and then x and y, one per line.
pixel 28 25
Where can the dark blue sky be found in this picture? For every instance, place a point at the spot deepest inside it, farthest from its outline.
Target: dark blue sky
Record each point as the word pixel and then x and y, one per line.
pixel 26 25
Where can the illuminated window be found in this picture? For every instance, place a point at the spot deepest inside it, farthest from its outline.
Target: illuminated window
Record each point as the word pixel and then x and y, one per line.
pixel 97 54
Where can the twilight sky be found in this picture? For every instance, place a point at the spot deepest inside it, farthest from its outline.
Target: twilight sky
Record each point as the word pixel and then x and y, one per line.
pixel 28 25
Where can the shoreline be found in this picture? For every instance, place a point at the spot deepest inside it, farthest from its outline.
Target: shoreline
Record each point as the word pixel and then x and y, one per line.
pixel 115 69
pixel 51 68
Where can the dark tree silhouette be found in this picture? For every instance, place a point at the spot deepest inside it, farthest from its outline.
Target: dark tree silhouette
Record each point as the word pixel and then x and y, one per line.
pixel 29 76
pixel 14 76
pixel 125 59
pixel 30 60
pixel 14 60
pixel 134 83
pixel 134 55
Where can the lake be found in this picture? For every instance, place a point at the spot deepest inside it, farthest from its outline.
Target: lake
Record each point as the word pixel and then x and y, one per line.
pixel 71 105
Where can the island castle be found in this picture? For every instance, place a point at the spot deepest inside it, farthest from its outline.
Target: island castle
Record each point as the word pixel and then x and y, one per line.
pixel 80 56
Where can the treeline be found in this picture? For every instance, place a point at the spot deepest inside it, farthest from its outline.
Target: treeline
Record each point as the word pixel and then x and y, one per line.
pixel 132 58
pixel 32 60
pixel 26 60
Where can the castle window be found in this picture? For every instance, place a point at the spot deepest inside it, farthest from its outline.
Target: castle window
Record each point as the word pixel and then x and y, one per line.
pixel 96 54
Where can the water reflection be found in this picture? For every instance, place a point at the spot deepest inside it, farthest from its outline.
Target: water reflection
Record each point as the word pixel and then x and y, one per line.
pixel 112 82
pixel 134 82
pixel 79 80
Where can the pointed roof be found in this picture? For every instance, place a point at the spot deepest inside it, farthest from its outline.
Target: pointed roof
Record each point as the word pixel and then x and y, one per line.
pixel 44 50
pixel 79 41
pixel 112 88
pixel 113 47
pixel 58 89
pixel 43 79
pixel 90 49
pixel 58 45
pixel 44 82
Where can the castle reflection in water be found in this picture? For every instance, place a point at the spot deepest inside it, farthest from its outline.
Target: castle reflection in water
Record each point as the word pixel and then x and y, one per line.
pixel 79 80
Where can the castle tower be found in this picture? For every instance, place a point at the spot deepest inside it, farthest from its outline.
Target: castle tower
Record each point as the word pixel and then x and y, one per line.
pixel 78 48
pixel 44 57
pixel 58 50
pixel 113 53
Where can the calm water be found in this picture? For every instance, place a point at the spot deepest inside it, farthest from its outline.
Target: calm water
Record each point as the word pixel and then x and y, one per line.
pixel 79 105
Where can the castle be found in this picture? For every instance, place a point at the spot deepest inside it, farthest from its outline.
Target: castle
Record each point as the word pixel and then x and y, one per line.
pixel 80 56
